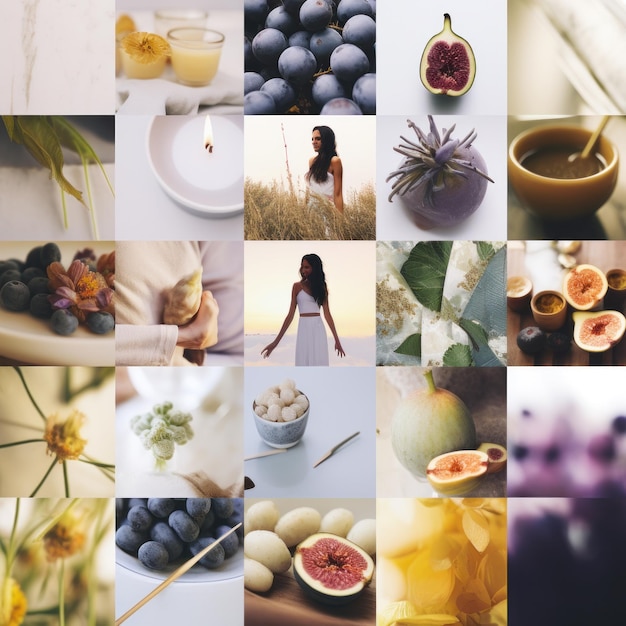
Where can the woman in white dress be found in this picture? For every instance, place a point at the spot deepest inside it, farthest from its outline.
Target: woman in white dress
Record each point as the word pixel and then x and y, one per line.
pixel 325 175
pixel 309 296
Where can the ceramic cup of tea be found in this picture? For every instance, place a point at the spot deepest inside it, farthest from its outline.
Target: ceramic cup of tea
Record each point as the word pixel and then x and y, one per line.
pixel 553 186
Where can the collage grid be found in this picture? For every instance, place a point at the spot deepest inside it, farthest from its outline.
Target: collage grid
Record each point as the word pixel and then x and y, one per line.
pixel 120 438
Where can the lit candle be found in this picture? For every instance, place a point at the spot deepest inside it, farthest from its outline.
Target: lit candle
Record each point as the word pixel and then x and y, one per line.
pixel 208 134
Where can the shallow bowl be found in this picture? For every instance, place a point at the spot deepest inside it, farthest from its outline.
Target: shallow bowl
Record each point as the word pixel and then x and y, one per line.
pixel 281 434
pixel 555 198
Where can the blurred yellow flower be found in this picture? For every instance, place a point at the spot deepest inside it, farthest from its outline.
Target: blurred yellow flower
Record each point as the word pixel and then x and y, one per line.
pixel 13 606
pixel 456 572
pixel 63 436
pixel 65 538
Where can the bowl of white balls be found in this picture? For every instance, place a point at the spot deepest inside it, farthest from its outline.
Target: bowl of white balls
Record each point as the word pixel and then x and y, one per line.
pixel 280 414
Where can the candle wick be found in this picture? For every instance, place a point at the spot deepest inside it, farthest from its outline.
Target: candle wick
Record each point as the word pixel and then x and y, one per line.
pixel 209 147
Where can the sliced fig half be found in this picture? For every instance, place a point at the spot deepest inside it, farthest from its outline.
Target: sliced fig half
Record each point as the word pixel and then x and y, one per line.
pixel 448 65
pixel 331 569
pixel 598 331
pixel 584 286
pixel 496 454
pixel 456 473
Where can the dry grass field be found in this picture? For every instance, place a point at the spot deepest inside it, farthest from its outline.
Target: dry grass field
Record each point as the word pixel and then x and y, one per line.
pixel 273 212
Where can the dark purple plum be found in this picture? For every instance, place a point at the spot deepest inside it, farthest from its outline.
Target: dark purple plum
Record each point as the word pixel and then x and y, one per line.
pixel 322 44
pixel 252 81
pixel 297 65
pixel 300 38
pixel 258 103
pixel 315 14
pixel 325 88
pixel 282 92
pixel 349 8
pixel 361 31
pixel 364 93
pixel 255 12
pixel 250 62
pixel 348 62
pixel 341 106
pixel 372 4
pixel 268 44
pixel 282 20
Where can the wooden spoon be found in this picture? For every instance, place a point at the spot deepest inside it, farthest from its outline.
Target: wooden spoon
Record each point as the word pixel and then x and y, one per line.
pixel 592 141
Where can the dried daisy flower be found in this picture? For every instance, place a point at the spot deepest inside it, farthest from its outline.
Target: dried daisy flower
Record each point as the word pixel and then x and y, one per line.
pixel 65 538
pixel 63 436
pixel 12 603
pixel 145 47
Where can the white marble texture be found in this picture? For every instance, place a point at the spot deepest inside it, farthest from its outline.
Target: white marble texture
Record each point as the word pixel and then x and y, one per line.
pixel 62 57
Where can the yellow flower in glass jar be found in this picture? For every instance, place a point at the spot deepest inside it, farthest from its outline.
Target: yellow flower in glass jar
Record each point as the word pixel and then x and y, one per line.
pixel 63 436
pixel 65 538
pixel 13 603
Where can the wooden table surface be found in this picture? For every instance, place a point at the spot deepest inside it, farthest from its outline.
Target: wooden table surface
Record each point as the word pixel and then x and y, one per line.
pixel 605 255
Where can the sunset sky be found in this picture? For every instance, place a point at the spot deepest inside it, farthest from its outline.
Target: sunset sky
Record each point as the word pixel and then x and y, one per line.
pixel 271 268
pixel 265 147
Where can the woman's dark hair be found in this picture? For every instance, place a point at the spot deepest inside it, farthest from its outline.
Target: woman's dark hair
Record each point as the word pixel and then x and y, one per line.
pixel 319 168
pixel 317 278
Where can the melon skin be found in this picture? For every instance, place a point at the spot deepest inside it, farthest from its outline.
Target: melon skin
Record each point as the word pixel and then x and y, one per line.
pixel 427 423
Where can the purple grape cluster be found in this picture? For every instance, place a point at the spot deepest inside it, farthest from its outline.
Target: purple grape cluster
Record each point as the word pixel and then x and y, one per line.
pixel 310 57
pixel 161 532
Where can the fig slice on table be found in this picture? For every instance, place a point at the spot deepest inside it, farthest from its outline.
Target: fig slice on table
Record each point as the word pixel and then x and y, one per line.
pixel 332 570
pixel 584 287
pixel 448 65
pixel 598 331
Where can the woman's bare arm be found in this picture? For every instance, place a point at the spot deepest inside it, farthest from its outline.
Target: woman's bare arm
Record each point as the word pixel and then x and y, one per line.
pixel 331 324
pixel 337 171
pixel 269 348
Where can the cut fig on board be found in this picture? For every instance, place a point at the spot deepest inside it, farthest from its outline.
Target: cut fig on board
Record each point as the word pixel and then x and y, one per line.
pixel 496 454
pixel 448 65
pixel 584 287
pixel 598 331
pixel 456 473
pixel 331 569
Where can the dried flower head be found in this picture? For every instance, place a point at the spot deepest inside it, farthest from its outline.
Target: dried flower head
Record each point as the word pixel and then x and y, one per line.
pixel 65 538
pixel 79 289
pixel 145 47
pixel 63 436
pixel 13 603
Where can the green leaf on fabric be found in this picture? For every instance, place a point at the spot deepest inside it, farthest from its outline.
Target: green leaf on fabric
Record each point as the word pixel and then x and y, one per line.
pixel 425 271
pixel 485 250
pixel 458 355
pixel 477 334
pixel 411 346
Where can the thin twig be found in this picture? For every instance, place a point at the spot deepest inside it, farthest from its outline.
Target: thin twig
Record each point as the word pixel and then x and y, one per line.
pixel 43 480
pixel 289 177
pixel 66 480
pixel 19 443
pixel 30 395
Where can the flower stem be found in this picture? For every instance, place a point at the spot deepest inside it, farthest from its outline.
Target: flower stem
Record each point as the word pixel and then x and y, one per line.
pixel 66 480
pixel 62 593
pixel 43 480
pixel 11 550
pixel 92 211
pixel 30 395
pixel 64 204
pixel 19 443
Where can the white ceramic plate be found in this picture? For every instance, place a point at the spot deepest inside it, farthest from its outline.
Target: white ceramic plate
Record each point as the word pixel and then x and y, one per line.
pixel 207 184
pixel 31 340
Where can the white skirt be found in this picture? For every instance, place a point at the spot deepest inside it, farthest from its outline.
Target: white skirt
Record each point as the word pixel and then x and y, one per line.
pixel 311 341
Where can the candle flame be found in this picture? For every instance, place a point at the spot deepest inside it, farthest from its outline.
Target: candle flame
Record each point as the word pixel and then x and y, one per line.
pixel 208 134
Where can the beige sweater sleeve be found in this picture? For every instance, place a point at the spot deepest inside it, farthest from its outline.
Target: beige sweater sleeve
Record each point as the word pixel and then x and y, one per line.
pixel 145 345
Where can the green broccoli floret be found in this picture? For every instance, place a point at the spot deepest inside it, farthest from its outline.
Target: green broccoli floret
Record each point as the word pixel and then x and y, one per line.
pixel 161 429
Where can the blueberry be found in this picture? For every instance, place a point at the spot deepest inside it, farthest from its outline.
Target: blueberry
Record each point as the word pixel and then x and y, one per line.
pixel 206 528
pixel 15 296
pixel 161 507
pixel 137 502
pixel 40 306
pixel 153 555
pixel 162 533
pixel 8 275
pixel 140 518
pixel 222 507
pixel 214 557
pixel 198 508
pixel 128 539
pixel 63 322
pixel 230 543
pixel 619 425
pixel 552 454
pixel 183 525
pixel 33 258
pixel 49 253
pixel 31 272
pixel 38 284
pixel 602 448
pixel 8 265
pixel 520 452
pixel 100 322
